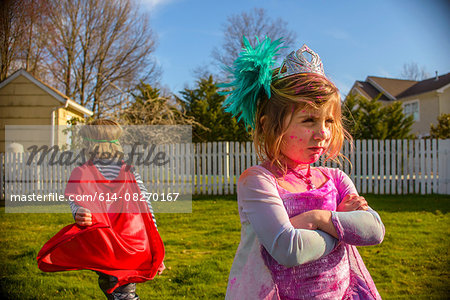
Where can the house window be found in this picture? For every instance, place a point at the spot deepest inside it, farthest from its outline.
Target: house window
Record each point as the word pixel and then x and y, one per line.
pixel 412 108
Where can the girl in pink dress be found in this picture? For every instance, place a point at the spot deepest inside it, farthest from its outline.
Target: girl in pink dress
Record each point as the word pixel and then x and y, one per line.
pixel 300 224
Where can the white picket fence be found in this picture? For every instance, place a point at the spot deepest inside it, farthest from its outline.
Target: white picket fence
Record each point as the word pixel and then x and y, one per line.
pixel 377 166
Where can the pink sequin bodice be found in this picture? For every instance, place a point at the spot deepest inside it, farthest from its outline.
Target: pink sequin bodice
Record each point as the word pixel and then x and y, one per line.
pixel 325 278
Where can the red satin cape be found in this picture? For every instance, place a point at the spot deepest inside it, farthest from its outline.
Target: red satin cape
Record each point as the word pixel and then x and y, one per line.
pixel 125 245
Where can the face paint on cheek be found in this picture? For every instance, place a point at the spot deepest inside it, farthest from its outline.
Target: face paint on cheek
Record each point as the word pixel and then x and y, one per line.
pixel 293 136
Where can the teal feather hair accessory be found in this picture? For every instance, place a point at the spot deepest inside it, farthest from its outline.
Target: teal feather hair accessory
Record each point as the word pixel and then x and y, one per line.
pixel 251 73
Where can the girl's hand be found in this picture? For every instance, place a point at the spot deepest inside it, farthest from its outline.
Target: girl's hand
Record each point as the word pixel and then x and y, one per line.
pixel 161 268
pixel 83 217
pixel 307 220
pixel 313 220
pixel 353 202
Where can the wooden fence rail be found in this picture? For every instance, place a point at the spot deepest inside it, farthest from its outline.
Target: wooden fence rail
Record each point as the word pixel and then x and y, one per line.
pixel 375 166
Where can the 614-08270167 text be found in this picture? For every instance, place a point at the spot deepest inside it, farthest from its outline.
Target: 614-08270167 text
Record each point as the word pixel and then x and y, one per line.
pixel 103 197
pixel 110 197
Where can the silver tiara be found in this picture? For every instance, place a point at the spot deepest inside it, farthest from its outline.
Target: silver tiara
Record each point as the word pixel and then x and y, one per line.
pixel 297 63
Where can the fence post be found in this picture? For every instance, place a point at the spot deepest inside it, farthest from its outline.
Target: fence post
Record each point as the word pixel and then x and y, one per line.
pixel 435 166
pixel 220 160
pixel 2 161
pixel 214 168
pixel 376 152
pixel 204 174
pixel 444 166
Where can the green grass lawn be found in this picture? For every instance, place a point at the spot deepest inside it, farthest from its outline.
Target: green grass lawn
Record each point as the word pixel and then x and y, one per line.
pixel 412 262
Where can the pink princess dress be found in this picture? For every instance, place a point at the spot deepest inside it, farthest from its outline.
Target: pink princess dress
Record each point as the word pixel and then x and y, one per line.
pixel 276 261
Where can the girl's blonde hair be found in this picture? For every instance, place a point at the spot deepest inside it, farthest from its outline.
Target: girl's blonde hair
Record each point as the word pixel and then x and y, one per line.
pixel 288 95
pixel 102 136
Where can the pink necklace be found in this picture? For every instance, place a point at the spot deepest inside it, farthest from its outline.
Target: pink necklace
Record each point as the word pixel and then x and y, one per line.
pixel 306 178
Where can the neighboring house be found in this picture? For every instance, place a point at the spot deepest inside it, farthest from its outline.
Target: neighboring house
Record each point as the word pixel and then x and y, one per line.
pixel 425 100
pixel 25 100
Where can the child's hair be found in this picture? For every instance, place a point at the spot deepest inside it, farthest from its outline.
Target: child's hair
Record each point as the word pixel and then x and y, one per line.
pixel 288 95
pixel 102 136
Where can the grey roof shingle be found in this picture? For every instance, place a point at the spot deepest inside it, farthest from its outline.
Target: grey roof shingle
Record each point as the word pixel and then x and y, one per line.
pixel 426 85
pixel 399 88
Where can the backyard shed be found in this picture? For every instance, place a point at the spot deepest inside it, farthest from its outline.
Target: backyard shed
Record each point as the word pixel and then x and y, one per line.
pixel 26 100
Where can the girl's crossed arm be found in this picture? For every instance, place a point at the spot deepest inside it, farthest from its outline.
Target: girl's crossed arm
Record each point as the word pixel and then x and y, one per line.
pixel 354 222
pixel 263 208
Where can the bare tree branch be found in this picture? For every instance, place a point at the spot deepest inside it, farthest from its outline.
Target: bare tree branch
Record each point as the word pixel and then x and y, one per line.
pixel 101 47
pixel 412 71
pixel 22 41
pixel 254 24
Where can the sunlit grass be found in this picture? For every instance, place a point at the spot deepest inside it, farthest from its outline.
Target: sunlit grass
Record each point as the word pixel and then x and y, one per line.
pixel 412 262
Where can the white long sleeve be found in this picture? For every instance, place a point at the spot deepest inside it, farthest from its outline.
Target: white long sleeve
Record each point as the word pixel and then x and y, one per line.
pixel 359 228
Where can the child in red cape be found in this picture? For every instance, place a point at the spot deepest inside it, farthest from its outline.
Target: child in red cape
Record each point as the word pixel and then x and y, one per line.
pixel 117 239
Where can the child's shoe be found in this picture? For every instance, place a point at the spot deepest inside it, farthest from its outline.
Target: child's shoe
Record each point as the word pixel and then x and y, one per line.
pixel 126 292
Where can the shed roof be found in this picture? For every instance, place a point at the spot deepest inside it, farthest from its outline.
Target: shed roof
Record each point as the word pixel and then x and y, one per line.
pixel 63 99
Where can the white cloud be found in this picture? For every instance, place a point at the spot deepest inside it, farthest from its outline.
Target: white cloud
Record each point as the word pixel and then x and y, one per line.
pixel 338 34
pixel 154 4
pixel 342 35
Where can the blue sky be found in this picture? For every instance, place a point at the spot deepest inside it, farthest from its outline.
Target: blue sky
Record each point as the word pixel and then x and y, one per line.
pixel 355 39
